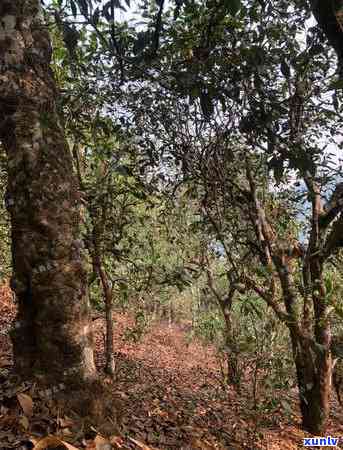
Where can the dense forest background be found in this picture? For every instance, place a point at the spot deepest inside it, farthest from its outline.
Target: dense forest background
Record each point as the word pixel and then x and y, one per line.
pixel 175 166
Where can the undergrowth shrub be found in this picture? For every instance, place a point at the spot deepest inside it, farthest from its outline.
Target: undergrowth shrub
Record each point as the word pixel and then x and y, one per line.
pixel 140 327
pixel 258 348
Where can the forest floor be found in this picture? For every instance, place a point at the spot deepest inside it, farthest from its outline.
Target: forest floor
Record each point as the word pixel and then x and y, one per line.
pixel 170 398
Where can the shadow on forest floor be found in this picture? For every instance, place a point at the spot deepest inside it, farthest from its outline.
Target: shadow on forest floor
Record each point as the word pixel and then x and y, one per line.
pixel 171 396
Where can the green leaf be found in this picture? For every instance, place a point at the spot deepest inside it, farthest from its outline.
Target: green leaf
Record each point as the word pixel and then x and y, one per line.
pixel 338 84
pixel 277 165
pixel 117 4
pixel 335 101
pixel 73 8
pixel 96 16
pixel 195 92
pixel 107 11
pixel 232 6
pixel 123 170
pixel 83 6
pixel 222 100
pixel 206 105
pixel 285 69
pixel 143 39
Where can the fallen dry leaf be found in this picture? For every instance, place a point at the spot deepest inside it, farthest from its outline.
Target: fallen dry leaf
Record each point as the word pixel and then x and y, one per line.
pixel 65 422
pixel 24 422
pixel 141 444
pixel 49 441
pixel 101 443
pixel 26 404
pixel 117 441
pixel 201 445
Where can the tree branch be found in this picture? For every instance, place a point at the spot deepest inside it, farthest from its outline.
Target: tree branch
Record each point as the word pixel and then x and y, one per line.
pixel 334 240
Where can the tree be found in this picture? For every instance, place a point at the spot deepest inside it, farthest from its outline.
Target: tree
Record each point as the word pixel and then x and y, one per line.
pixel 51 334
pixel 329 15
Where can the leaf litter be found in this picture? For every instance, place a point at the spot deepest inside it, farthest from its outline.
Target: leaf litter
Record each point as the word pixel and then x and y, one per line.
pixel 169 393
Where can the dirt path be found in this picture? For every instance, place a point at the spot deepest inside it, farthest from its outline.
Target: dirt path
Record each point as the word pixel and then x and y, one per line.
pixel 173 397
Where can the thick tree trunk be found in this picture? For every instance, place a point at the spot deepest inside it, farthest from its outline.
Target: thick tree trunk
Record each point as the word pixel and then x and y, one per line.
pixel 51 334
pixel 314 373
pixel 314 383
pixel 313 365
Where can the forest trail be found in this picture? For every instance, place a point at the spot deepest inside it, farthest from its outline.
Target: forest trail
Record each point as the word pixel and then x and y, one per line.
pixel 171 397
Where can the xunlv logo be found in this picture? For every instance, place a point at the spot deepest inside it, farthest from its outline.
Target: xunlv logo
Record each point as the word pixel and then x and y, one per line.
pixel 321 442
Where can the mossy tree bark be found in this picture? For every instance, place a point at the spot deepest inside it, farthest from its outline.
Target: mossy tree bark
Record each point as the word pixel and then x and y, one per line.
pixel 51 334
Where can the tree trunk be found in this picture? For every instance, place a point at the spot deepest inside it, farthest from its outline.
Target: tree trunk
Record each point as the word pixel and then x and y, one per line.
pixel 313 364
pixel 233 375
pixel 314 369
pixel 170 313
pixel 314 383
pixel 110 366
pixel 319 396
pixel 51 334
pixel 97 235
